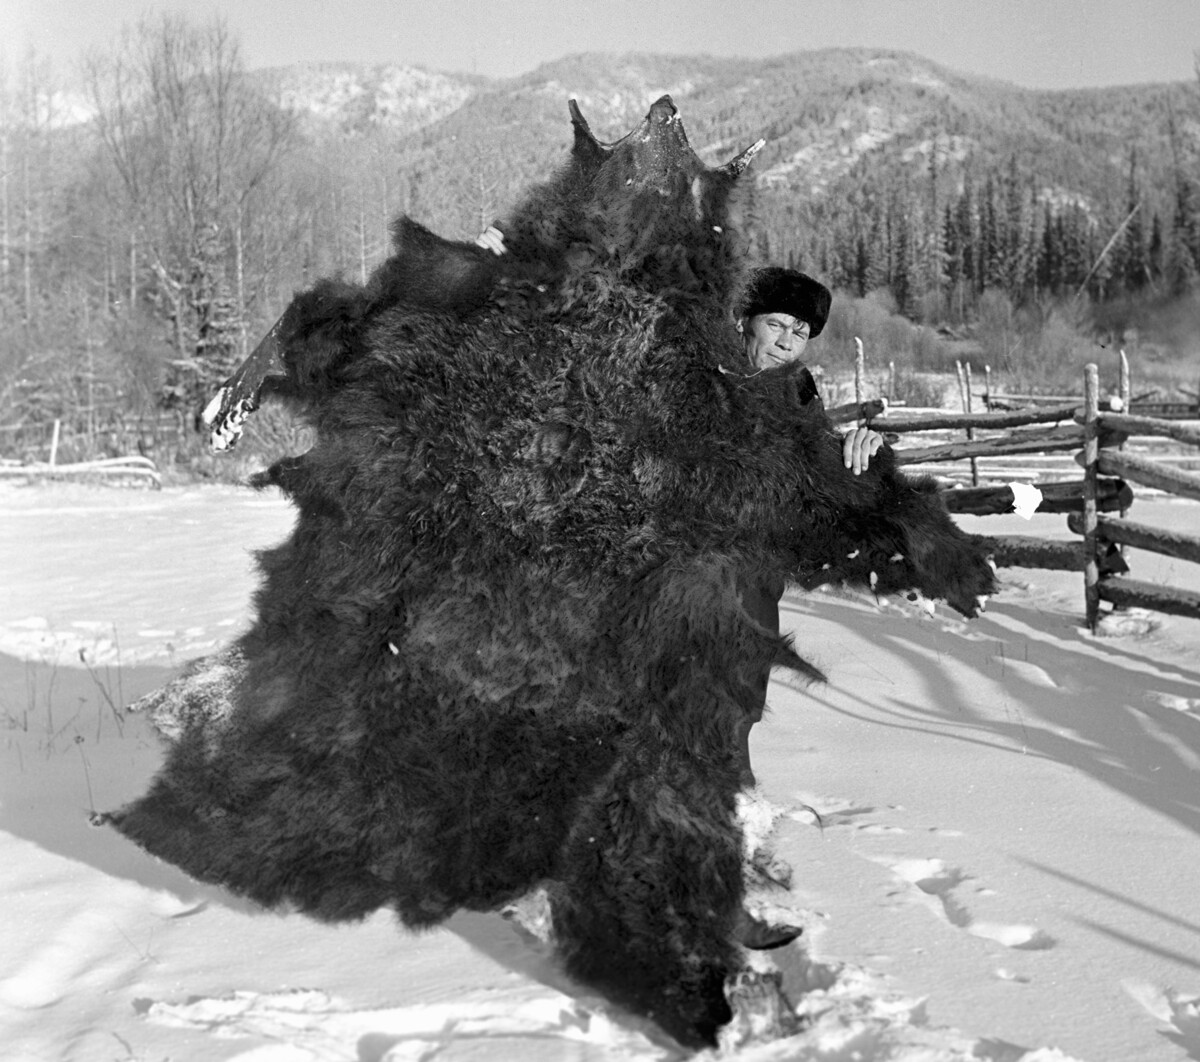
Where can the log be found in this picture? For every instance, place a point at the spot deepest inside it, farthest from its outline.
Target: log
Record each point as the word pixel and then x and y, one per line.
pixel 1132 593
pixel 1167 410
pixel 979 501
pixel 1005 397
pixel 1135 425
pixel 1065 497
pixel 112 472
pixel 1024 442
pixel 1151 473
pixel 133 463
pixel 1142 536
pixel 1015 419
pixel 858 411
pixel 1027 551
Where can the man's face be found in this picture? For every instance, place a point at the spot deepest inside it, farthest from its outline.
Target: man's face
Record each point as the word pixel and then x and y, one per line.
pixel 773 338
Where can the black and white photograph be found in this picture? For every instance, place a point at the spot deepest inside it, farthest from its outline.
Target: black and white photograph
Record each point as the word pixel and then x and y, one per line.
pixel 600 532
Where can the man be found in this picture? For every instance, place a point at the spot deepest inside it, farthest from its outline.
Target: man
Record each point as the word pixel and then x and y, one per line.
pixel 779 312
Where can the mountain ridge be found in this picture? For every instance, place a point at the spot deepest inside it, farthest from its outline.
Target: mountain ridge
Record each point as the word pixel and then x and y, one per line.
pixel 845 102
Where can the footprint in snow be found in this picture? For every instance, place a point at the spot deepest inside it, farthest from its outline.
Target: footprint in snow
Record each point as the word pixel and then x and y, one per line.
pixel 937 883
pixel 1127 623
pixel 320 1025
pixel 109 932
pixel 1187 705
pixel 1031 673
pixel 838 811
pixel 1174 1009
pixel 832 812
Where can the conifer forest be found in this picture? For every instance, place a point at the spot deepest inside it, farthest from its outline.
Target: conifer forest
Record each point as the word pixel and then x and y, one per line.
pixel 160 203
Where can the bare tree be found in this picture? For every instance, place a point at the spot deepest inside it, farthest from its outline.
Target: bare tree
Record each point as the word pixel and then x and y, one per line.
pixel 193 144
pixel 6 125
pixel 33 350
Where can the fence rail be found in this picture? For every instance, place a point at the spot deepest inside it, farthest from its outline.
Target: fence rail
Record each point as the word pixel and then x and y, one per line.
pixel 1098 439
pixel 110 470
pixel 1112 495
pixel 116 448
pixel 1141 536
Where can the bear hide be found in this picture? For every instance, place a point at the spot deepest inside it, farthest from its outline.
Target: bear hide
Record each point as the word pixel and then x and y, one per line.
pixel 503 645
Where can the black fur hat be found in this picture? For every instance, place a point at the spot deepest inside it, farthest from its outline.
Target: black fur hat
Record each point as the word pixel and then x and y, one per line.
pixel 774 289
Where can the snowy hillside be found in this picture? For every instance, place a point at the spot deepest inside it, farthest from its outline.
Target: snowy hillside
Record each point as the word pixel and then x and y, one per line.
pixel 349 95
pixel 1006 864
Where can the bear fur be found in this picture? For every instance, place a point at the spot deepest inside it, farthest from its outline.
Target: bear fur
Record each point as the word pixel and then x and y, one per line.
pixel 503 645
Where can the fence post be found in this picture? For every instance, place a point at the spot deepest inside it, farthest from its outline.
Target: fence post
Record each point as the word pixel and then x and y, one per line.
pixel 859 371
pixel 970 431
pixel 54 441
pixel 1126 398
pixel 964 394
pixel 1091 461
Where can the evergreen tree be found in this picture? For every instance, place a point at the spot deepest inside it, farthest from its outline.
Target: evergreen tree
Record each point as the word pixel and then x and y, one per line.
pixel 991 257
pixel 1074 241
pixel 1155 253
pixel 934 246
pixel 903 258
pixel 954 254
pixel 1050 255
pixel 1182 255
pixel 1131 265
pixel 1180 267
pixel 967 238
pixel 215 311
pixel 1012 240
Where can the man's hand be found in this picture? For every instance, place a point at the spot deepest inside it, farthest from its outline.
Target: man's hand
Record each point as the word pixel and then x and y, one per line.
pixel 491 239
pixel 858 446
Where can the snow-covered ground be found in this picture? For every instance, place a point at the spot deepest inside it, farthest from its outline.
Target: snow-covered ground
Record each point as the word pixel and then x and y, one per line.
pixel 1007 865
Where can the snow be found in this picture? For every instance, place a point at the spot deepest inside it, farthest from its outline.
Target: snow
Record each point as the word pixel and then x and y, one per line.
pixel 994 827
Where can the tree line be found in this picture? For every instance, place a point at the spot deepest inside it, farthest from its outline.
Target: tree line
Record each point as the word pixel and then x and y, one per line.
pixel 939 245
pixel 144 251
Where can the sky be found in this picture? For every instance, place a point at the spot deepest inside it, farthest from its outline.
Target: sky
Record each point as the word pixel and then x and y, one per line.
pixel 1034 43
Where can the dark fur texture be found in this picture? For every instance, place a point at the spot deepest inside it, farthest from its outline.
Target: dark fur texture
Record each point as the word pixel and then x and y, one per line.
pixel 503 644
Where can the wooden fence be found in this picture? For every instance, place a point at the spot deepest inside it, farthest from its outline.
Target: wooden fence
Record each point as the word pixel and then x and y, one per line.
pixel 1095 500
pixel 134 469
pixel 69 449
pixel 97 434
